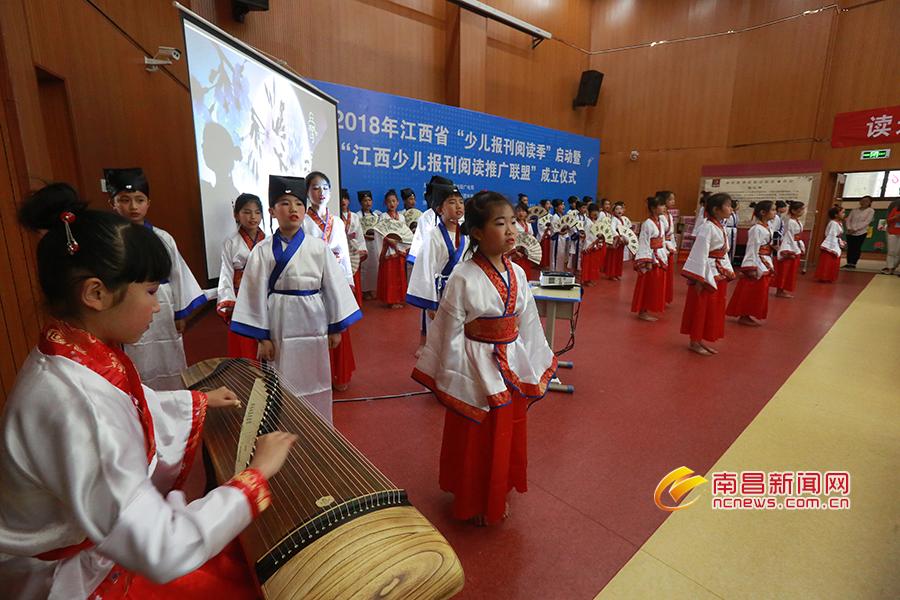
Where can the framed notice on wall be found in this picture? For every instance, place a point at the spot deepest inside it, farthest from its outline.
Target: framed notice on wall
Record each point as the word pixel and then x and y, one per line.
pixel 789 181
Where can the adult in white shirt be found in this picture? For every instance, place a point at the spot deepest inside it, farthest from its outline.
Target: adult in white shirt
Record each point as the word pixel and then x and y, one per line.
pixel 857 224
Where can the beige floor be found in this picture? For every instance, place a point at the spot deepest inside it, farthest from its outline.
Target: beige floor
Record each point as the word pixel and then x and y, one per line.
pixel 822 418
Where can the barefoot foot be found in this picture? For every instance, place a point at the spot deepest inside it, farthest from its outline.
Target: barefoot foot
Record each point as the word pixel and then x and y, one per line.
pixel 695 347
pixel 748 320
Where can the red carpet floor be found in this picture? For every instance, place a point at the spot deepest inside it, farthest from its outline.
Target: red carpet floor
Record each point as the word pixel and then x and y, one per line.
pixel 643 406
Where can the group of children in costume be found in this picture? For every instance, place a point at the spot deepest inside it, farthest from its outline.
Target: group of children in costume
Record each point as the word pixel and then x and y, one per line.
pixel 97 509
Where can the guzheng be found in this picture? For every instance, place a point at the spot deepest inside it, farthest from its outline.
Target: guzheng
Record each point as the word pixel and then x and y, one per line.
pixel 337 527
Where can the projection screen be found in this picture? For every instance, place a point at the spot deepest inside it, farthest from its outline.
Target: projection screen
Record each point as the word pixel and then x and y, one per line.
pixel 252 118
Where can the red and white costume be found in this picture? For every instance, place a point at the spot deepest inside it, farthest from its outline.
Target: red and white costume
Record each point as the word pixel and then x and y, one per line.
pixel 391 266
pixel 751 296
pixel 615 256
pixel 668 222
pixel 830 256
pixel 235 252
pixel 90 505
pixel 651 262
pixel 593 256
pixel 332 231
pixel 708 271
pixel 790 252
pixel 485 358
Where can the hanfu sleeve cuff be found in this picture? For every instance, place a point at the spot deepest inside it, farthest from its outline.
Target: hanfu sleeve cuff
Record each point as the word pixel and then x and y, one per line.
pixel 199 403
pixel 255 487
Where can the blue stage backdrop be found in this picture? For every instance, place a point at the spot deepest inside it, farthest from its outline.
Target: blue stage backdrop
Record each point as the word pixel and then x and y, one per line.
pixel 394 142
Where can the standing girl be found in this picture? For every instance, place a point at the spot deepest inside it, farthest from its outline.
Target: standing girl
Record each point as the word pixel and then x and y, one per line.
pixel 392 259
pixel 235 252
pixel 790 251
pixel 651 263
pixel 159 354
pixel 594 252
pixel 320 223
pixel 750 301
pixel 369 267
pixel 355 241
pixel 294 298
pixel 486 358
pixel 668 222
pixel 444 249
pixel 832 245
pixel 615 256
pixel 523 226
pixel 93 460
pixel 708 272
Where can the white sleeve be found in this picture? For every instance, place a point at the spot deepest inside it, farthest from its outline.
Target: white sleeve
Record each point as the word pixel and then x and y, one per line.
pixel 100 479
pixel 698 266
pixel 251 311
pixel 342 248
pixel 226 295
pixel 644 253
pixel 422 291
pixel 186 293
pixel 340 303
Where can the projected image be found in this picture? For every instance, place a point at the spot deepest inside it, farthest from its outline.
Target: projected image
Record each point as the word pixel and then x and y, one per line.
pixel 250 121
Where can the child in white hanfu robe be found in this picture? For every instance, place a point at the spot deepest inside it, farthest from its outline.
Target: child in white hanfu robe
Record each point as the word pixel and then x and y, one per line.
pixel 294 299
pixel 159 354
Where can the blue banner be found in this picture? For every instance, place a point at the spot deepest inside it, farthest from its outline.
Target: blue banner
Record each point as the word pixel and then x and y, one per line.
pixel 394 142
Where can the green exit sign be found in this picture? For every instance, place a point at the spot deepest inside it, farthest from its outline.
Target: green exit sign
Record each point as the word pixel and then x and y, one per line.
pixel 874 154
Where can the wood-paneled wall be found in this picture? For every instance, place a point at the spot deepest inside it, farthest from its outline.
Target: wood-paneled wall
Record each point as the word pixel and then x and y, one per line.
pixel 763 95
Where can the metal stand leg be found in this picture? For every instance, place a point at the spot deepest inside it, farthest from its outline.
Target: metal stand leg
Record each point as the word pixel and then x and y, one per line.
pixel 549 331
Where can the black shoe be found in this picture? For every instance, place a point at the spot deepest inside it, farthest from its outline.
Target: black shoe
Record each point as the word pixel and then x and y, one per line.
pixel 849 266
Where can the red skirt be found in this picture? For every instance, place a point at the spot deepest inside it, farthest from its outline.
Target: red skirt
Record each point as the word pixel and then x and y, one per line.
pixel 482 462
pixel 649 291
pixel 342 361
pixel 226 576
pixel 240 346
pixel 670 277
pixel 592 263
pixel 704 312
pixel 392 279
pixel 828 267
pixel 615 257
pixel 527 266
pixel 786 273
pixel 750 298
pixel 545 253
pixel 357 288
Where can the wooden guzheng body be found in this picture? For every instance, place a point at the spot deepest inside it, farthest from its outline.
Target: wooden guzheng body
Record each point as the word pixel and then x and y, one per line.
pixel 337 528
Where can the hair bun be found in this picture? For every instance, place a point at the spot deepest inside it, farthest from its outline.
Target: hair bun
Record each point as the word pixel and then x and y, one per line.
pixel 43 208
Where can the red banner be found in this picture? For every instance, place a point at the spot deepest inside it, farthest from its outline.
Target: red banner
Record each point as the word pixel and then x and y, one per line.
pixel 866 127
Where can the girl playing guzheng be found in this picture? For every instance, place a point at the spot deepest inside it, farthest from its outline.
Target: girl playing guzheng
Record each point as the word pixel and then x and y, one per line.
pixel 294 298
pixel 235 252
pixel 485 359
pixel 92 460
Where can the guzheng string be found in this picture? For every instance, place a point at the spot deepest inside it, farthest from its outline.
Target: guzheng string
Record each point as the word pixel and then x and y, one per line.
pixel 321 463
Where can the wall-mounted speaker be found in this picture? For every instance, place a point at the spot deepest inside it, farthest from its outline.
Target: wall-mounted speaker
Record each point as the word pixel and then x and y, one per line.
pixel 588 89
pixel 240 8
